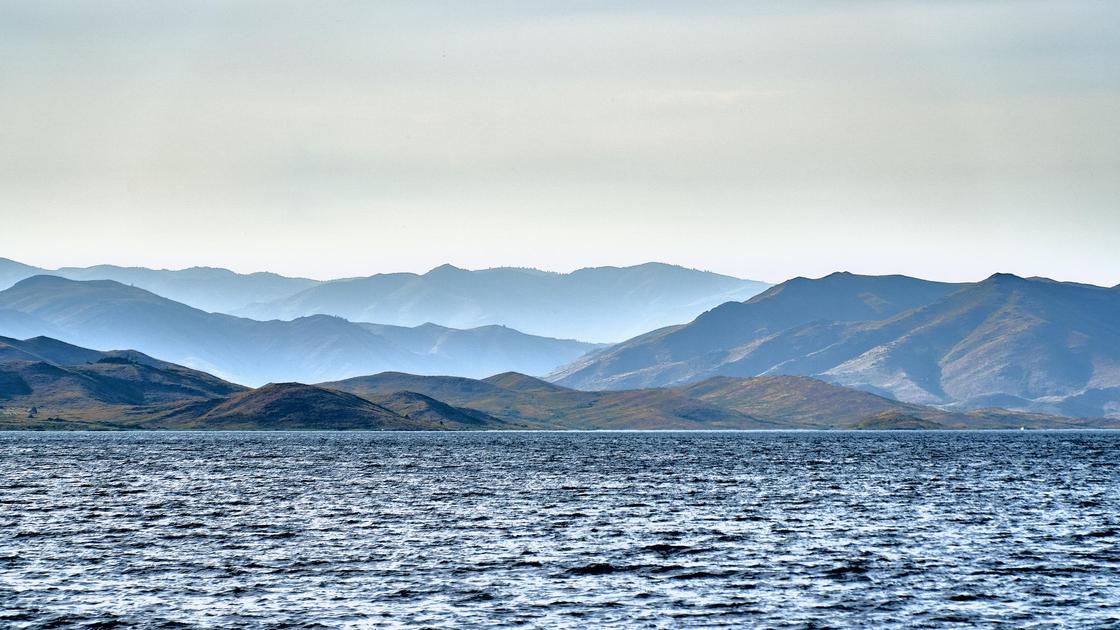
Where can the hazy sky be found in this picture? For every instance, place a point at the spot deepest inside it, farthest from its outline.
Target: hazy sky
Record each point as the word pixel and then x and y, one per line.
pixel 763 139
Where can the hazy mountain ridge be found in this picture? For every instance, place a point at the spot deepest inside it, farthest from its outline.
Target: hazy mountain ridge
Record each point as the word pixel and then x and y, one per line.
pixel 592 304
pixel 1028 344
pixel 129 390
pixel 603 304
pixel 107 314
pixel 1023 343
pixel 211 289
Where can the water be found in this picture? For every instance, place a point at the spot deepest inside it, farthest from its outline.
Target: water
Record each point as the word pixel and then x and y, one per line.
pixel 243 530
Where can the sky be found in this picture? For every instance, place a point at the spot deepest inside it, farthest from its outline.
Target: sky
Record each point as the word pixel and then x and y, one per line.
pixel 941 139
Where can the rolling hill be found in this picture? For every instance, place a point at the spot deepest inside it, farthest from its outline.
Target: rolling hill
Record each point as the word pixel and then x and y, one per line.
pixel 286 407
pixel 777 402
pixel 60 380
pixel 47 384
pixel 539 404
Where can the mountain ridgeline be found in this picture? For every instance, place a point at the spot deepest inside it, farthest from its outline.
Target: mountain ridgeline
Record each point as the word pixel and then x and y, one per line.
pixel 48 384
pixel 598 304
pixel 207 288
pixel 601 304
pixel 107 314
pixel 1028 344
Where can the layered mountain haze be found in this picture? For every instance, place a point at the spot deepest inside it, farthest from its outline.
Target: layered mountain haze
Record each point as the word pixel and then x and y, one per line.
pixel 107 314
pixel 1023 343
pixel 597 304
pixel 21 325
pixel 601 304
pixel 12 272
pixel 208 288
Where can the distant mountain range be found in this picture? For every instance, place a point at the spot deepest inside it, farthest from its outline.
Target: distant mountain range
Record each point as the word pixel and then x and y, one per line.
pixel 106 314
pixel 206 288
pixel 47 384
pixel 598 304
pixel 602 304
pixel 1028 344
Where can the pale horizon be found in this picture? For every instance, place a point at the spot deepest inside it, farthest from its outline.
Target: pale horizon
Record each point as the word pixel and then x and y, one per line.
pixel 938 140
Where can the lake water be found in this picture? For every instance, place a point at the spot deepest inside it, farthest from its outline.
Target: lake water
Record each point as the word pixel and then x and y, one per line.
pixel 244 530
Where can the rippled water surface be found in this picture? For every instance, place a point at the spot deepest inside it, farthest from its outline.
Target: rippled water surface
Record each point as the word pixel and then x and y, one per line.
pixel 238 530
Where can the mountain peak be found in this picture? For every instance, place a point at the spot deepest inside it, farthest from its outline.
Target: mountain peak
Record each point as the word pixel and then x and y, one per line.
pixel 284 385
pixel 521 382
pixel 51 280
pixel 40 280
pixel 445 268
pixel 1004 277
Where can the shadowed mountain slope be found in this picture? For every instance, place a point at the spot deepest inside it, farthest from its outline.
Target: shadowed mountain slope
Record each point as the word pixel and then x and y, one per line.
pixel 800 400
pixel 48 350
pixel 107 314
pixel 779 402
pixel 287 406
pixel 129 390
pixel 810 403
pixel 109 381
pixel 60 380
pixel 1007 341
pixel 45 383
pixel 690 351
pixel 543 405
pixel 1027 344
pixel 432 413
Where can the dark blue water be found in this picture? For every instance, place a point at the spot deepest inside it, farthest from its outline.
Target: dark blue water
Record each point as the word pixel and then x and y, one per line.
pixel 244 530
